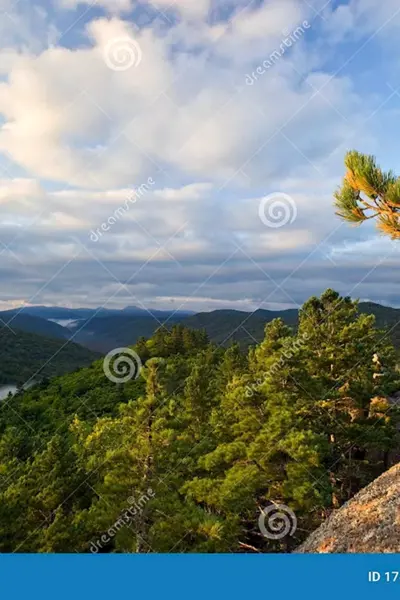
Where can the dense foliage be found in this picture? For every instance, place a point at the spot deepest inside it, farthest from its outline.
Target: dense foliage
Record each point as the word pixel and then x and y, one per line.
pixel 207 436
pixel 26 355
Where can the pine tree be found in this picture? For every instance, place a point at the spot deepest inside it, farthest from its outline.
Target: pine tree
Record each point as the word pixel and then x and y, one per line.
pixel 340 349
pixel 217 435
pixel 307 425
pixel 368 192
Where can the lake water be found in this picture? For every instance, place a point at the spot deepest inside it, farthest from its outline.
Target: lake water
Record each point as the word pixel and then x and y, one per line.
pixel 6 389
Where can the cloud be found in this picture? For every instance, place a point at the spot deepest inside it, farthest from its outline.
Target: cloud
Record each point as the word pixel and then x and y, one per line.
pixel 112 6
pixel 191 9
pixel 172 113
pixel 24 27
pixel 269 20
pixel 358 18
pixel 190 244
pixel 78 131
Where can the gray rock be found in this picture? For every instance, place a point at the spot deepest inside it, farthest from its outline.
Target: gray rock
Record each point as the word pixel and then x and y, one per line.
pixel 369 522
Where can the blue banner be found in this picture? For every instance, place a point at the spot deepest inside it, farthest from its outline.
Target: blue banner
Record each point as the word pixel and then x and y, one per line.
pixel 188 577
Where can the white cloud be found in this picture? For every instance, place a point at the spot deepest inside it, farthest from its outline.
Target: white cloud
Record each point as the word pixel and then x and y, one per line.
pixel 24 27
pixel 271 19
pixel 362 17
pixel 213 145
pixel 20 190
pixel 112 6
pixel 191 9
pixel 180 113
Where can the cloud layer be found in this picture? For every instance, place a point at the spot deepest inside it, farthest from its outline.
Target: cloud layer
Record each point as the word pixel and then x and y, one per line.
pixel 108 99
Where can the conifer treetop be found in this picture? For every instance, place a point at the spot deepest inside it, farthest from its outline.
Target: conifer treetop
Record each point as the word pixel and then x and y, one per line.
pixel 368 192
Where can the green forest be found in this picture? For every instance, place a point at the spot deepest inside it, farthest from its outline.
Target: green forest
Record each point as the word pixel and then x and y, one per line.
pixel 28 356
pixel 203 440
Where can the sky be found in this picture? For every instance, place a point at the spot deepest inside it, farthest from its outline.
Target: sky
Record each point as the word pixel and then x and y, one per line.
pixel 184 155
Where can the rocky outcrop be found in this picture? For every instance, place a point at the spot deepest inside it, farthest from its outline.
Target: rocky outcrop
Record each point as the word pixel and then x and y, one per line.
pixel 369 522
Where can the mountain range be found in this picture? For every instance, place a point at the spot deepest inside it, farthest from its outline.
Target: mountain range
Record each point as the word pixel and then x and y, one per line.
pixel 225 326
pixel 56 313
pixel 102 330
pixel 97 331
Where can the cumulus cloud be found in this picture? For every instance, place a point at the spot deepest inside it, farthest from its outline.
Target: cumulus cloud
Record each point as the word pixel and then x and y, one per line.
pixel 176 113
pixel 191 9
pixel 84 122
pixel 113 6
pixel 24 27
pixel 196 9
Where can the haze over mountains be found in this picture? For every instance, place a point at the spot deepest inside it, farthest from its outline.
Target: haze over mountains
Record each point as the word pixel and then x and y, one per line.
pixel 102 330
pixel 61 313
pixel 98 329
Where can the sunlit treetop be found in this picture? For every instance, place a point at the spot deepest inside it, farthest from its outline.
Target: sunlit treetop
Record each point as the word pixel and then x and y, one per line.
pixel 368 192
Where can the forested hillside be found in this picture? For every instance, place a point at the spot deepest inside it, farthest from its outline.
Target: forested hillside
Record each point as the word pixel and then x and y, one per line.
pixel 107 332
pixel 25 355
pixel 226 326
pixel 14 319
pixel 102 330
pixel 202 441
pixel 386 317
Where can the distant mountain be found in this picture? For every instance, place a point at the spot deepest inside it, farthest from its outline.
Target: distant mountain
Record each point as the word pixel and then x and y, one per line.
pixel 134 310
pixel 108 332
pixel 14 319
pixel 102 329
pixel 98 329
pixel 386 318
pixel 225 326
pixel 59 313
pixel 24 355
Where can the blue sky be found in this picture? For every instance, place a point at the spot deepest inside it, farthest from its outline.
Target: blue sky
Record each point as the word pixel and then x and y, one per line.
pixel 98 97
